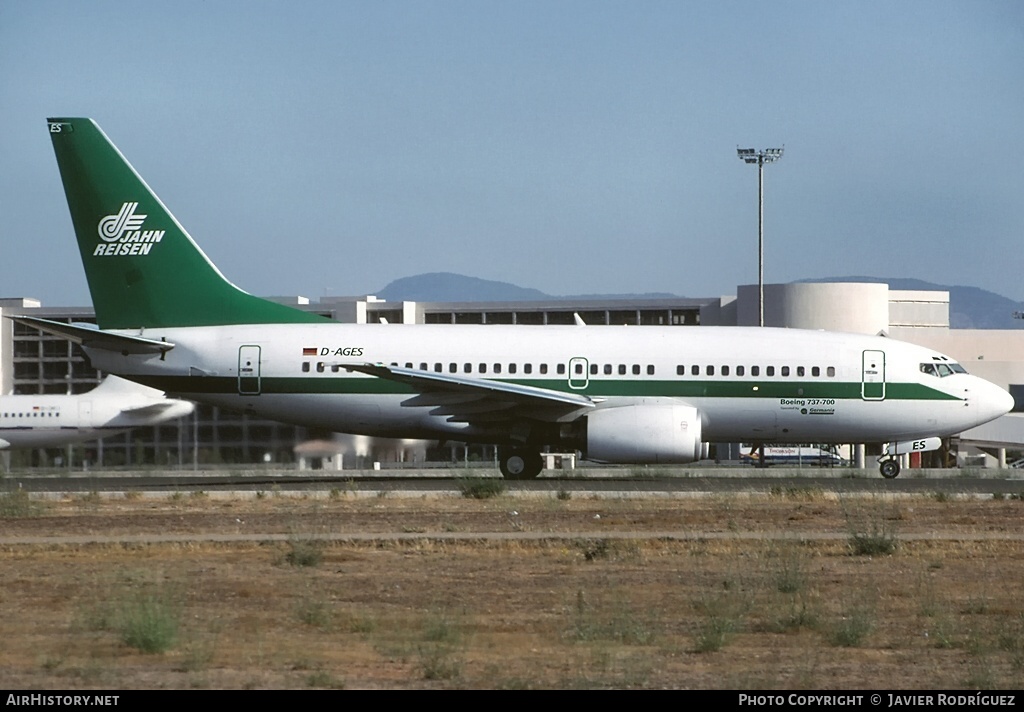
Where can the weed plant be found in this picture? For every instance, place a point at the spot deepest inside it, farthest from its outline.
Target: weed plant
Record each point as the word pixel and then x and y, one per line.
pixel 871 528
pixel 16 504
pixel 481 487
pixel 149 623
pixel 304 552
pixel 852 627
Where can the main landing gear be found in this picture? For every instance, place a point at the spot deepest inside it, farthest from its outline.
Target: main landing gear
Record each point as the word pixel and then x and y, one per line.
pixel 519 464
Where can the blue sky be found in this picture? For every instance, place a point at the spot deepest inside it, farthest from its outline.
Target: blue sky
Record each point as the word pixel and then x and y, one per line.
pixel 327 148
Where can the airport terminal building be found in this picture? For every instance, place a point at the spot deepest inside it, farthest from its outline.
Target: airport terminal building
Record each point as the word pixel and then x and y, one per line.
pixel 32 362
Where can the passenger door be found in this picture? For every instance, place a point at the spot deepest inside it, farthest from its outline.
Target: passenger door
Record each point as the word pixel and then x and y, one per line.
pixel 872 386
pixel 249 370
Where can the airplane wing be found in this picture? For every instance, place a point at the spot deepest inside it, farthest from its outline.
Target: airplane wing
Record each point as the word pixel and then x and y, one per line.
pixel 477 400
pixel 95 338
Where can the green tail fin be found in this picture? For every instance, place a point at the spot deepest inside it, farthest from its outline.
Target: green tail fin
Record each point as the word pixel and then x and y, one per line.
pixel 143 268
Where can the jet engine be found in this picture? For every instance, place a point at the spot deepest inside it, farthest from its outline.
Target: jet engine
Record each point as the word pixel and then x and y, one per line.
pixel 657 432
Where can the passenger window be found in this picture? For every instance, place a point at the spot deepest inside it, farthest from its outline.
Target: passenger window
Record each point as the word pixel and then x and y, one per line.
pixel 680 370
pixel 408 365
pixel 622 369
pixel 437 367
pixel 607 369
pixel 800 371
pixel 497 368
pixel 305 366
pixel 710 370
pixel 755 370
pixel 561 369
pixel 636 369
pixel 650 370
pixel 739 370
pixel 695 370
pixel 527 368
pixel 785 370
pixel 467 368
pixel 831 371
pixel 335 367
pixel 815 371
pixel 769 371
pixel 483 368
pixel 725 370
pixel 511 368
pixel 593 369
pixel 453 368
pixel 543 368
pixel 423 367
pixel 319 366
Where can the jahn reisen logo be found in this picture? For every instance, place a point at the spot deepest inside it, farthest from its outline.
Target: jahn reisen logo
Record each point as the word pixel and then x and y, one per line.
pixel 122 234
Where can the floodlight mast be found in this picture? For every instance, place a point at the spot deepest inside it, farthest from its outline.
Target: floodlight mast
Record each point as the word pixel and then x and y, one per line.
pixel 769 155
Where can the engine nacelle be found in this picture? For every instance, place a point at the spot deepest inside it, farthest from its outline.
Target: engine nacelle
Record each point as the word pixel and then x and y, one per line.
pixel 645 433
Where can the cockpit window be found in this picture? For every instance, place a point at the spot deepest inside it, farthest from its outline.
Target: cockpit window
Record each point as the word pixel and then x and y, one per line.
pixel 942 369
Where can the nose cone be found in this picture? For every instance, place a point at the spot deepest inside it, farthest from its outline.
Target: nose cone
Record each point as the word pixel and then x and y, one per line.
pixel 992 401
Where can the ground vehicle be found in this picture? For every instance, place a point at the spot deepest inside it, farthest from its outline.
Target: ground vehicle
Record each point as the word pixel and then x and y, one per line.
pixel 802 455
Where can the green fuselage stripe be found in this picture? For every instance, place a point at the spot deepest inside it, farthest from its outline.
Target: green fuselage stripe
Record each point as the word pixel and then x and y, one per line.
pixel 328 384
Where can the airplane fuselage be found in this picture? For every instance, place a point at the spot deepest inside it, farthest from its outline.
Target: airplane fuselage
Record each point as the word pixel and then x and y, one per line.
pixel 33 421
pixel 171 320
pixel 748 384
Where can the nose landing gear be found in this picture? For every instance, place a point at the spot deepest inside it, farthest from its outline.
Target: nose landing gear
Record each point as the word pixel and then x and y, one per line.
pixel 890 468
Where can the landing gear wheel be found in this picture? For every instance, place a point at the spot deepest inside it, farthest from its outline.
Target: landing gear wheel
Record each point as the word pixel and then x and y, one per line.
pixel 519 464
pixel 890 469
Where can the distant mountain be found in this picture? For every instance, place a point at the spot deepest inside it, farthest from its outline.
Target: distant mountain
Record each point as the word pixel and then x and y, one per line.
pixel 450 287
pixel 969 307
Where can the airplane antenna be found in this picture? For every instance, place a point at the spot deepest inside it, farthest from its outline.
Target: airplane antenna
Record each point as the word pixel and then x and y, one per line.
pixel 769 155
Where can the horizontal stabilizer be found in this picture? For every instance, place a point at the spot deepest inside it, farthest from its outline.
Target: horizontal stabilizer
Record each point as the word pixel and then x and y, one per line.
pixel 150 408
pixel 95 338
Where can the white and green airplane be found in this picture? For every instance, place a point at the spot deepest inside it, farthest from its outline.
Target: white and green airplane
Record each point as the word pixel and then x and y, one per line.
pixel 169 319
pixel 112 407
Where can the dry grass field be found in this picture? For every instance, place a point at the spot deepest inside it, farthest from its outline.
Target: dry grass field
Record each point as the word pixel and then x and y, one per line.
pixel 792 589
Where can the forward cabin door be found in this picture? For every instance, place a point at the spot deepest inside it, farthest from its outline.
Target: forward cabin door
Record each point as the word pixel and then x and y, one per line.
pixel 249 370
pixel 872 385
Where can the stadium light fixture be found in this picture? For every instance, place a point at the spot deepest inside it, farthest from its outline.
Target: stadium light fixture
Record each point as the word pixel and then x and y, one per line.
pixel 769 155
